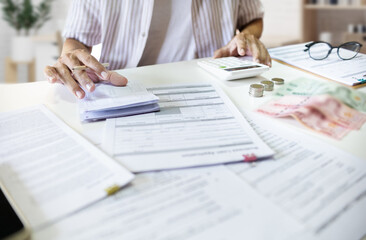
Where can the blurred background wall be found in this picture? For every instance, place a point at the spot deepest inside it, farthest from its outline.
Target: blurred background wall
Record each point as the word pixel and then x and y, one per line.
pixel 286 22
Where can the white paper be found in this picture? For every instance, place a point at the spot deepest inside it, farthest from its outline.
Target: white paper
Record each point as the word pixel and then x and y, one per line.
pixel 124 100
pixel 197 125
pixel 349 72
pixel 50 170
pixel 322 187
pixel 202 203
pixel 105 114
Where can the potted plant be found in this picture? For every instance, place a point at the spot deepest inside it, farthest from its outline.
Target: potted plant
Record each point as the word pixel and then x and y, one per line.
pixel 26 19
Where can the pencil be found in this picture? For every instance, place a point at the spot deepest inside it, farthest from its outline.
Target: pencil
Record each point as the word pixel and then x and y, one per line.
pixel 85 67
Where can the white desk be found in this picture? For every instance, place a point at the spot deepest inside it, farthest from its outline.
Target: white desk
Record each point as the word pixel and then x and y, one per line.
pixel 56 97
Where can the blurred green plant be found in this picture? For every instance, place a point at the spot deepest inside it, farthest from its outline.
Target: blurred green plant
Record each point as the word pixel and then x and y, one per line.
pixel 23 15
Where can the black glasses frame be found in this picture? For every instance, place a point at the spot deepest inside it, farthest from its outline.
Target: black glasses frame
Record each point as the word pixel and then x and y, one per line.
pixel 309 45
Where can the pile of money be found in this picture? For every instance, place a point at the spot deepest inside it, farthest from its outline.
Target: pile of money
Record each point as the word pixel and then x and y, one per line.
pixel 256 90
pixel 321 113
pixel 308 87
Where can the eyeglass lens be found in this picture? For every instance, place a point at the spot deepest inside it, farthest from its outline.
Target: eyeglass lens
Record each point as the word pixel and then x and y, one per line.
pixel 348 50
pixel 319 51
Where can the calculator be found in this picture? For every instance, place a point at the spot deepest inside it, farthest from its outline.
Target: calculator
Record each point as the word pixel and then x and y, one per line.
pixel 231 68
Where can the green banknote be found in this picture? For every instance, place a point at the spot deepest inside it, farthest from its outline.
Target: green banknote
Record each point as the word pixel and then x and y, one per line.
pixel 308 87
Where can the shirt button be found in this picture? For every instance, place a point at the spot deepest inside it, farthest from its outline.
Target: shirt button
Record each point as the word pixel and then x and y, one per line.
pixel 143 34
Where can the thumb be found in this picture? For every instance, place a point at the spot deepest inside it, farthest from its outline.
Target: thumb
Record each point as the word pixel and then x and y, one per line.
pixel 115 79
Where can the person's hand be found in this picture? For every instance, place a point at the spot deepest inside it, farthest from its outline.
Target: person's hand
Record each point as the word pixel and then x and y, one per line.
pixel 245 44
pixel 78 80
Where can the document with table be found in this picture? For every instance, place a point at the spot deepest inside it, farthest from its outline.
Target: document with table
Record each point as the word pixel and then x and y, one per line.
pixel 50 170
pixel 350 72
pixel 198 174
pixel 321 186
pixel 197 125
pixel 184 204
pixel 309 190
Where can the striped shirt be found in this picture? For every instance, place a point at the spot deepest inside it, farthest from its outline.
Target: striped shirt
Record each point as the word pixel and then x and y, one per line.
pixel 122 26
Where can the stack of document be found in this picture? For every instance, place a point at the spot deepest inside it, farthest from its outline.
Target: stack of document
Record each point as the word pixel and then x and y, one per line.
pixel 109 101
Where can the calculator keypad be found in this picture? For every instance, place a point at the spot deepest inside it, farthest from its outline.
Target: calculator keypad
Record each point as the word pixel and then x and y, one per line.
pixel 227 62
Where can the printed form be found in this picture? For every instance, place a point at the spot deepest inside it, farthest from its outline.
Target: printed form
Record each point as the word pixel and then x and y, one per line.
pixel 51 171
pixel 197 125
pixel 309 190
pixel 189 204
pixel 350 72
pixel 321 186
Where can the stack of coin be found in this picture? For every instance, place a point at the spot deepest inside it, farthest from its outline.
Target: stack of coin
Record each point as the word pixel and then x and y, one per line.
pixel 256 90
pixel 278 81
pixel 268 85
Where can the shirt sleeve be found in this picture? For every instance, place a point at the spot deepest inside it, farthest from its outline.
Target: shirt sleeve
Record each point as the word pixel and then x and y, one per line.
pixel 249 10
pixel 83 22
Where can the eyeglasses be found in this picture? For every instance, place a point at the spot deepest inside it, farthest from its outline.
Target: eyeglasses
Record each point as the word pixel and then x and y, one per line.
pixel 321 50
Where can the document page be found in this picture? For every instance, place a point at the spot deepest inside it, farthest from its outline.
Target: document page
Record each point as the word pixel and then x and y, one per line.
pixel 197 125
pixel 191 204
pixel 111 101
pixel 50 170
pixel 321 186
pixel 350 72
pixel 107 97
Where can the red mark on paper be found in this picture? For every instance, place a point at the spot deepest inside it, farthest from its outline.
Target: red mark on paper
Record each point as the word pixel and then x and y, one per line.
pixel 249 157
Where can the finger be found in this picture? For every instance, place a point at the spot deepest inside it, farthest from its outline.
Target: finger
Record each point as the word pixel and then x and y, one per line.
pixel 268 57
pixel 254 48
pixel 241 45
pixel 222 52
pixel 88 60
pixel 51 74
pixel 263 54
pixel 70 60
pixel 116 79
pixel 92 75
pixel 64 75
pixel 268 60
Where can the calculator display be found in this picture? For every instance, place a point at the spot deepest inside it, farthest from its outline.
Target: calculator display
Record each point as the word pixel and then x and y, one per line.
pixel 241 68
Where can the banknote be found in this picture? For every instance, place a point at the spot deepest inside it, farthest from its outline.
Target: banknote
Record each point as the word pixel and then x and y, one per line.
pixel 308 87
pixel 317 121
pixel 331 107
pixel 322 113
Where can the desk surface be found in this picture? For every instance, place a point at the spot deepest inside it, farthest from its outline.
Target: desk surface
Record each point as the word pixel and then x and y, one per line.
pixel 63 103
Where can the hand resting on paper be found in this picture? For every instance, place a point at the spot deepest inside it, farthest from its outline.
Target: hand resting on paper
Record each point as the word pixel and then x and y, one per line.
pixel 75 54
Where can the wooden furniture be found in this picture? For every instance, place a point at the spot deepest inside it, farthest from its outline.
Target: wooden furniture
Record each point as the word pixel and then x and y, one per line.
pixel 11 70
pixel 310 17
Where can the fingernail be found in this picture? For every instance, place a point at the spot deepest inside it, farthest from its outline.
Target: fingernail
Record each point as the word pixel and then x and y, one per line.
pixel 257 60
pixel 79 94
pixel 50 79
pixel 242 51
pixel 88 86
pixel 104 75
